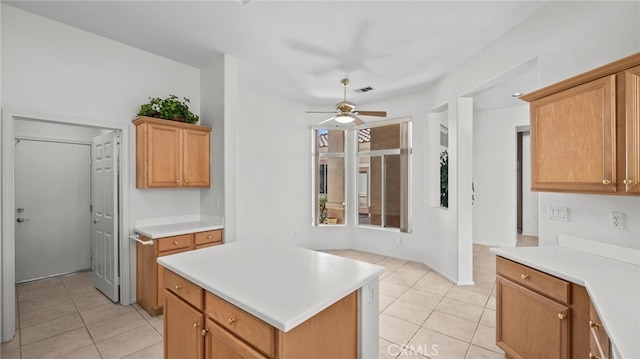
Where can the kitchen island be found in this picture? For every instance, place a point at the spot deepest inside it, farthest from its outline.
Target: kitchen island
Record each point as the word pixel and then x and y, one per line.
pixel 267 299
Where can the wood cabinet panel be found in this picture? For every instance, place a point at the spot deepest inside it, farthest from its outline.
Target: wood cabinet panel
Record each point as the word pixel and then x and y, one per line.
pixel 632 99
pixel 172 154
pixel 529 325
pixel 222 344
pixel 186 290
pixel 573 139
pixel 550 286
pixel 598 340
pixel 208 237
pixel 174 243
pixel 251 329
pixel 182 329
pixel 150 275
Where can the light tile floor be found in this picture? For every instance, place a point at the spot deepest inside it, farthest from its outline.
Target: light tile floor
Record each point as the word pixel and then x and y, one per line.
pixel 422 314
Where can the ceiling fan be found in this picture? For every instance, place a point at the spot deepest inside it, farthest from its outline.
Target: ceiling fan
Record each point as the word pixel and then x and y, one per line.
pixel 345 111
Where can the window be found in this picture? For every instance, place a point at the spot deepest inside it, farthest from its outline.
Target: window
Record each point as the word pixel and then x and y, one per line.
pixel 384 169
pixel 328 152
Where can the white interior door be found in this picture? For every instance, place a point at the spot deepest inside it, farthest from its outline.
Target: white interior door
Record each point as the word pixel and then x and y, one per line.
pixel 52 197
pixel 104 216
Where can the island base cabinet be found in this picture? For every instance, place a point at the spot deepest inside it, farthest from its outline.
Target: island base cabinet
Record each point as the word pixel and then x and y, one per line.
pixel 530 325
pixel 182 328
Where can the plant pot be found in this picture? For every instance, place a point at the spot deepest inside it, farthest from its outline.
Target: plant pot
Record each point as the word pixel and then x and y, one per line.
pixel 332 221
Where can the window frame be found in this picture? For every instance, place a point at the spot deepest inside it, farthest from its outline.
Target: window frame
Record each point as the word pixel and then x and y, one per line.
pixel 316 156
pixel 406 202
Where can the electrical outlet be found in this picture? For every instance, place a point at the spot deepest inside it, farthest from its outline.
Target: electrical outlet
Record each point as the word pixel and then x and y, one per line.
pixel 398 241
pixel 556 213
pixel 616 220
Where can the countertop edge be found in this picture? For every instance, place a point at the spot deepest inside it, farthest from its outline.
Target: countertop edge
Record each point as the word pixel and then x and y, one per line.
pixel 282 326
pixel 150 233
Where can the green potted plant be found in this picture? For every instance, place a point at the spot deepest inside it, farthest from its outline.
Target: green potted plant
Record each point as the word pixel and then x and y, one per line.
pixel 170 108
pixel 323 209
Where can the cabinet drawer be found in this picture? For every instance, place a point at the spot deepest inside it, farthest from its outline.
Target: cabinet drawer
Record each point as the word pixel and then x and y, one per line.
pixel 252 330
pixel 208 237
pixel 598 339
pixel 183 288
pixel 548 285
pixel 175 242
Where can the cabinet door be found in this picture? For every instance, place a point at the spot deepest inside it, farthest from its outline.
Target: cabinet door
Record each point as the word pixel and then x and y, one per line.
pixel 182 329
pixel 573 139
pixel 529 325
pixel 220 344
pixel 160 279
pixel 632 99
pixel 196 158
pixel 163 156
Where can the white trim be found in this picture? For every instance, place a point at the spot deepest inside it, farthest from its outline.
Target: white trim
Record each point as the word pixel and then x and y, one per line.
pixel 7 302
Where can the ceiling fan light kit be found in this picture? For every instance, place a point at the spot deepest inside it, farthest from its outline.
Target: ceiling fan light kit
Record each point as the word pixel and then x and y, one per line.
pixel 345 111
pixel 344 119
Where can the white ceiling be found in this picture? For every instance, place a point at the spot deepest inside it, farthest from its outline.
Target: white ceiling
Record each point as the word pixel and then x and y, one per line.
pixel 301 49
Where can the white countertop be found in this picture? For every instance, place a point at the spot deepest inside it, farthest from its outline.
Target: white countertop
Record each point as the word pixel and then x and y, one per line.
pixel 281 284
pixel 614 287
pixel 161 227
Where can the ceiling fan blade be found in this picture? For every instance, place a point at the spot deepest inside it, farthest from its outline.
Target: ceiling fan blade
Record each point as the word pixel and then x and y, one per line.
pixel 327 120
pixel 320 111
pixel 357 121
pixel 372 113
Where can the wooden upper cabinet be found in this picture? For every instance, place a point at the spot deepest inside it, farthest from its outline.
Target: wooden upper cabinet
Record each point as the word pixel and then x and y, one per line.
pixel 585 132
pixel 632 107
pixel 171 154
pixel 573 138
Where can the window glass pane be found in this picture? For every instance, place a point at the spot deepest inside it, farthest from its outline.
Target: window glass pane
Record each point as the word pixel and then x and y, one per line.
pixel 331 202
pixel 364 190
pixel 393 191
pixel 330 141
pixel 379 138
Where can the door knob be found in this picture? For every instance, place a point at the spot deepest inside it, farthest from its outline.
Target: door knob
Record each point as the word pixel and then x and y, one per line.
pixel 95 220
pixel 19 210
pixel 22 220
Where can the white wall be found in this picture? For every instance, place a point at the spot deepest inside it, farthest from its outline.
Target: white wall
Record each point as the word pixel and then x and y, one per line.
pixel 51 70
pixel 54 69
pixel 219 91
pixel 494 174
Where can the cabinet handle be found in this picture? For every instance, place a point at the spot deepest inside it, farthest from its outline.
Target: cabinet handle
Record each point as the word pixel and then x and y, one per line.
pixel 204 332
pixel 178 287
pixel 561 316
pixel 231 321
pixel 196 325
pixel 524 276
pixel 627 182
pixel 591 356
pixel 593 324
pixel 177 181
pixel 209 237
pixel 175 243
pixel 606 182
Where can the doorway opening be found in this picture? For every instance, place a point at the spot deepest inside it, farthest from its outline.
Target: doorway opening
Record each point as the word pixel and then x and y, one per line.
pixel 526 201
pixel 50 185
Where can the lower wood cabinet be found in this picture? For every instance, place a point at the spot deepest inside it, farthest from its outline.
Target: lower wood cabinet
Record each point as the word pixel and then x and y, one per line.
pixel 198 324
pixel 150 275
pixel 599 344
pixel 539 315
pixel 183 338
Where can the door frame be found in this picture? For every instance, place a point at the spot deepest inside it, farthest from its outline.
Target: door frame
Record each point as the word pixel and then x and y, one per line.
pixel 7 258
